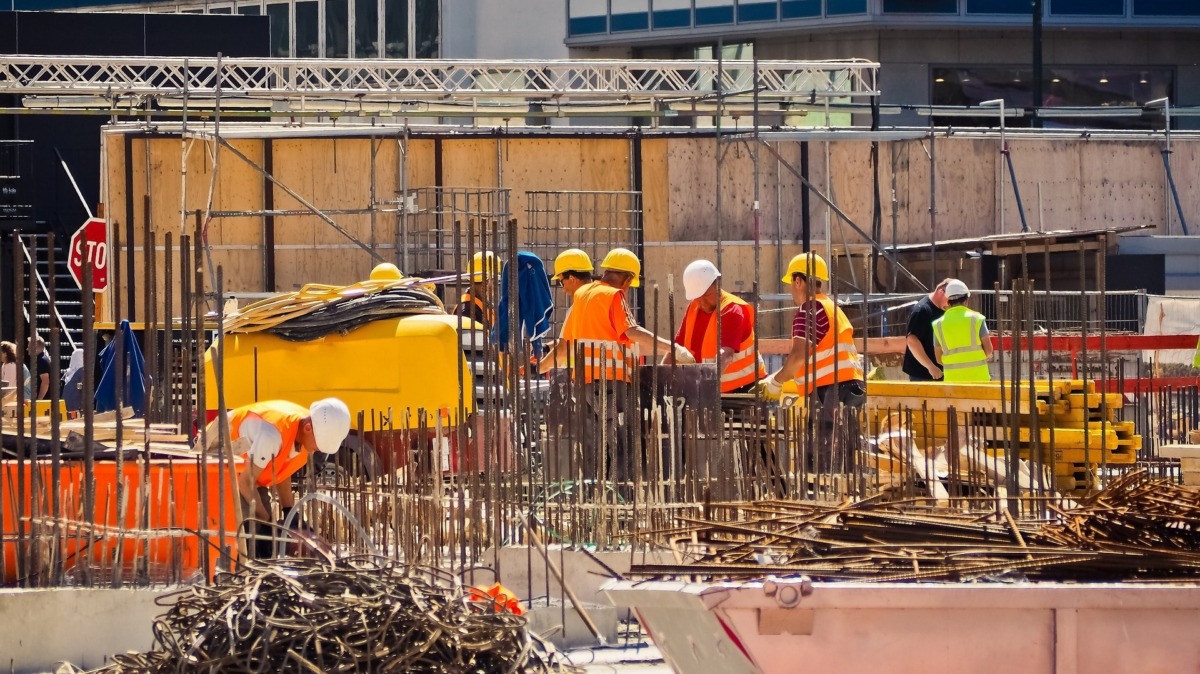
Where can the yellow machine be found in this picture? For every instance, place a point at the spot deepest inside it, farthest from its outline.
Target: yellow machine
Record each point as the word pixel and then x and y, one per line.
pixel 407 366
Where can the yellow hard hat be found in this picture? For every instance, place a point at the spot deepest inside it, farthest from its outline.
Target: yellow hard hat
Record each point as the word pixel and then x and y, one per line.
pixel 623 259
pixel 483 265
pixel 809 264
pixel 571 259
pixel 386 271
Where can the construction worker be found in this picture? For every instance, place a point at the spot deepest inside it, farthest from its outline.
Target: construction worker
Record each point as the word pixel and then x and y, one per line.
pixel 476 304
pixel 572 270
pixel 698 333
pixel 601 329
pixel 281 436
pixel 961 340
pixel 822 359
pixel 919 361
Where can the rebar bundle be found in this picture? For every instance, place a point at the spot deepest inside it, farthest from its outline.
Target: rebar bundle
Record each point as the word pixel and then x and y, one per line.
pixel 362 614
pixel 1136 529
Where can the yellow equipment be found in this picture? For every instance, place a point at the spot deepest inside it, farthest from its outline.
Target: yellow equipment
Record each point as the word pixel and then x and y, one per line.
pixel 623 259
pixel 386 271
pixel 809 264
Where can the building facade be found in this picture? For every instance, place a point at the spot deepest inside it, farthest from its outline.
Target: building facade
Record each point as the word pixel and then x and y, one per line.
pixel 1097 53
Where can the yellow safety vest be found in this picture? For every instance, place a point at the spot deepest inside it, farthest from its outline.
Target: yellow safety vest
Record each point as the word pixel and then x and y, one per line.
pixel 1196 358
pixel 957 335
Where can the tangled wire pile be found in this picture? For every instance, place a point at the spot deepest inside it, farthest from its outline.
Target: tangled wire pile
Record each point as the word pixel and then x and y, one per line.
pixel 355 615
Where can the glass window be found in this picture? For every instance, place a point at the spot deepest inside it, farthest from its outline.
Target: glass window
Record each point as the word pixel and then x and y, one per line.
pixel 1166 8
pixel 714 12
pixel 250 10
pixel 1088 7
pixel 395 29
pixel 1099 87
pixel 755 10
pixel 672 13
pixel 920 6
pixel 366 29
pixel 587 17
pixel 998 6
pixel 337 29
pixel 795 9
pixel 835 7
pixel 307 36
pixel 220 10
pixel 428 29
pixel 280 29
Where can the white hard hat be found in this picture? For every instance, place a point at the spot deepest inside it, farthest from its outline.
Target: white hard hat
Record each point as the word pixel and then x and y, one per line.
pixel 330 423
pixel 956 289
pixel 698 277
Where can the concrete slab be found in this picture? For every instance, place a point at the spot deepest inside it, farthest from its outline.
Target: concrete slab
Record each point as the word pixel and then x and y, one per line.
pixel 39 628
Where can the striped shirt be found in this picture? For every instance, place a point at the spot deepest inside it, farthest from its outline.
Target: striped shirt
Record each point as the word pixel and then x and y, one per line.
pixel 811 331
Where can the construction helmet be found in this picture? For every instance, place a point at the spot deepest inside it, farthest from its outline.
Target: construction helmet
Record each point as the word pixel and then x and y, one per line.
pixel 484 265
pixel 956 289
pixel 809 264
pixel 698 277
pixel 386 271
pixel 571 259
pixel 623 259
pixel 330 423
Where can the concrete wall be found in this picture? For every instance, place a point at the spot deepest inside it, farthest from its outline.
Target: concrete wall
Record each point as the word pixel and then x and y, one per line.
pixel 512 29
pixel 39 628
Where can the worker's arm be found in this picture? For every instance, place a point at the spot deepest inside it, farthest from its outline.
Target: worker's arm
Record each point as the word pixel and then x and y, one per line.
pixel 796 357
pixel 937 352
pixel 918 351
pixel 287 498
pixel 265 443
pixel 557 357
pixel 985 338
pixel 43 385
pixel 648 342
pixel 248 488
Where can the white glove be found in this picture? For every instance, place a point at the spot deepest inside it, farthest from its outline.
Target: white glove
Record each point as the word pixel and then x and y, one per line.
pixel 770 388
pixel 683 356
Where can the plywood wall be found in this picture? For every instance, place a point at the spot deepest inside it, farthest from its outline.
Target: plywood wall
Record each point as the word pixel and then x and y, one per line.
pixel 1083 184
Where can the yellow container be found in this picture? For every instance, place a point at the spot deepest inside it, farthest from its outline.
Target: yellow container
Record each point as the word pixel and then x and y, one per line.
pixel 404 364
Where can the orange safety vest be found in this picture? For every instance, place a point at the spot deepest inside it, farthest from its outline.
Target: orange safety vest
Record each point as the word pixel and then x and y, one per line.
pixel 740 370
pixel 589 327
pixel 489 314
pixel 836 357
pixel 286 417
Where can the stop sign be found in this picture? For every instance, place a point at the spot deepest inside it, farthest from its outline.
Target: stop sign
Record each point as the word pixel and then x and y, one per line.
pixel 89 245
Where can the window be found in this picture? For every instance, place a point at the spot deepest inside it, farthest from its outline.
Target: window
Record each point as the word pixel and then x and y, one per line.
pixel 366 29
pixel 756 10
pixel 428 29
pixel 714 12
pixel 1090 86
pixel 220 10
pixel 587 17
pixel 920 6
pixel 250 10
pixel 307 36
pixel 629 15
pixel 395 26
pixel 337 29
pixel 280 30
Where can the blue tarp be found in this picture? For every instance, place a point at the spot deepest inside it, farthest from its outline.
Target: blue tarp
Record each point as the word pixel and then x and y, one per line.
pixel 536 305
pixel 134 382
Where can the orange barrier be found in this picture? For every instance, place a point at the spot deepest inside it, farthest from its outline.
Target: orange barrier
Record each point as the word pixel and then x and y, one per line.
pixel 174 515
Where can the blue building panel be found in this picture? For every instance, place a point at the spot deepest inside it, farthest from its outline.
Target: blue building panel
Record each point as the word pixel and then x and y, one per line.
pixel 920 6
pixel 587 25
pixel 631 21
pixel 800 9
pixel 840 7
pixel 1087 7
pixel 757 11
pixel 672 18
pixel 1166 8
pixel 998 7
pixel 714 16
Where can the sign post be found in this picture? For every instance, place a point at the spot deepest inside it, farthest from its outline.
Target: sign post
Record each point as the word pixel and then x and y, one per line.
pixel 89 245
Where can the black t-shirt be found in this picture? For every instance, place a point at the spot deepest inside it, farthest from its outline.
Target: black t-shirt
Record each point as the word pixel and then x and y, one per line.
pixel 43 368
pixel 920 323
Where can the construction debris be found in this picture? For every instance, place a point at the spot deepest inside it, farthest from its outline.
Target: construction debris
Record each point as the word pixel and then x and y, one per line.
pixel 350 615
pixel 1136 529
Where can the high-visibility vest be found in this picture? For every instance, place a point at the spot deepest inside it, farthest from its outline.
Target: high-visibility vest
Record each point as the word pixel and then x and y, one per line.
pixel 286 417
pixel 488 313
pixel 740 369
pixel 836 357
pixel 589 329
pixel 957 334
pixel 1196 358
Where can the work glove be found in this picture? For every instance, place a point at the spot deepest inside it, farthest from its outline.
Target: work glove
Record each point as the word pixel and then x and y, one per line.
pixel 683 356
pixel 769 388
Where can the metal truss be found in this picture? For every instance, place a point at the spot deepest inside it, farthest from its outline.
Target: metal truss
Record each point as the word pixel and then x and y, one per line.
pixel 484 82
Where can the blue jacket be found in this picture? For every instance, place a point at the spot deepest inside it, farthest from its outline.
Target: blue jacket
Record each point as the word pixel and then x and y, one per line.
pixel 535 304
